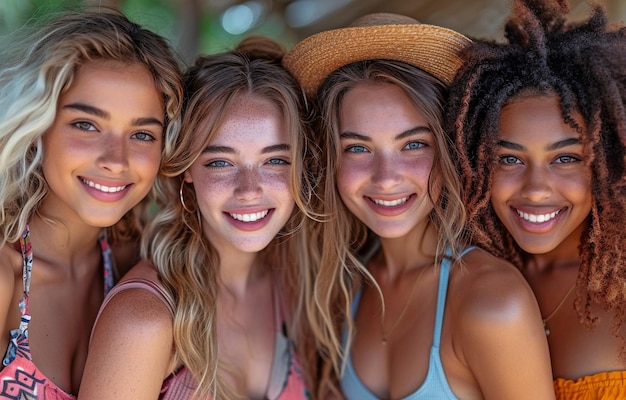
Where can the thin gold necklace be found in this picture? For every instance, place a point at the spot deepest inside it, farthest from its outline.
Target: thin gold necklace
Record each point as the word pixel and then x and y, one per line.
pixel 385 335
pixel 546 319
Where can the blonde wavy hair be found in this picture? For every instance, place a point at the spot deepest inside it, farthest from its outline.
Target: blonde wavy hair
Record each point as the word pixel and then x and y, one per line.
pixel 343 237
pixel 37 65
pixel 174 242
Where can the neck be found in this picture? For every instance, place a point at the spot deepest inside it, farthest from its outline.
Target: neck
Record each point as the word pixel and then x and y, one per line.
pixel 414 250
pixel 239 272
pixel 63 242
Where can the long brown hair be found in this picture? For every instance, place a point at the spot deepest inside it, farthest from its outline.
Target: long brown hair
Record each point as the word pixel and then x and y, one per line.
pixel 343 236
pixel 174 241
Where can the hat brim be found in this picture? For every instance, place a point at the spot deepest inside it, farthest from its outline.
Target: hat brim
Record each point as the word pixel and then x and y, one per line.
pixel 431 48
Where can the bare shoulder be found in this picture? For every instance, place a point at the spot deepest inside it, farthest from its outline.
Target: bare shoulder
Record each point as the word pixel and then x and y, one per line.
pixel 135 309
pixel 496 330
pixel 137 324
pixel 487 289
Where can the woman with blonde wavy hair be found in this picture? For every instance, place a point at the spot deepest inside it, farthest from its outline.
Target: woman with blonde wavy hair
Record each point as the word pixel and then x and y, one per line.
pixel 89 105
pixel 424 315
pixel 213 310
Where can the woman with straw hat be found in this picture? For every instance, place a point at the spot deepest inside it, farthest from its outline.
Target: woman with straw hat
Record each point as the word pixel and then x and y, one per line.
pixel 425 316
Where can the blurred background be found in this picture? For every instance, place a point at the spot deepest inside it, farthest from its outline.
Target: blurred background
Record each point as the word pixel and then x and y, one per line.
pixel 205 26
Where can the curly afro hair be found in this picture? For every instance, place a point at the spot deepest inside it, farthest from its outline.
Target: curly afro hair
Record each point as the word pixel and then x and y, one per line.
pixel 584 64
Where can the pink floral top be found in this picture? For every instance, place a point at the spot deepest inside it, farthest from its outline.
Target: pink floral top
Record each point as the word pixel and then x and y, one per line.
pixel 20 378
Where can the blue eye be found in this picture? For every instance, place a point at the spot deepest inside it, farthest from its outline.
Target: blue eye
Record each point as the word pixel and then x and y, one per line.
pixel 278 161
pixel 218 164
pixel 144 137
pixel 414 145
pixel 509 160
pixel 356 149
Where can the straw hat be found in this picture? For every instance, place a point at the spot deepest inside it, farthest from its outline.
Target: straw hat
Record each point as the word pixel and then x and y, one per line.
pixel 431 48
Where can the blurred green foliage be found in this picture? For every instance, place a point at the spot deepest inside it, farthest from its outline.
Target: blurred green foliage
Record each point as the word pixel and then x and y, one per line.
pixel 161 16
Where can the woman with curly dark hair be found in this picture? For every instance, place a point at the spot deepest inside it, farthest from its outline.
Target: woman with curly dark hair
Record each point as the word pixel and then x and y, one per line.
pixel 541 127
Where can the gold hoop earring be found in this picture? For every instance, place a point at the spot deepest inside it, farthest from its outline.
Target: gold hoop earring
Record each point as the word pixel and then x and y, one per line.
pixel 182 199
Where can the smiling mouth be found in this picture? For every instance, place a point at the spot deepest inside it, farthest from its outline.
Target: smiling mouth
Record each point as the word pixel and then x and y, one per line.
pixel 392 203
pixel 102 188
pixel 537 218
pixel 250 217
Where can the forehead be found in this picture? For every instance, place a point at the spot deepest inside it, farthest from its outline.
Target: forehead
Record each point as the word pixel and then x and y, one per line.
pixel 379 106
pixel 538 118
pixel 251 121
pixel 120 85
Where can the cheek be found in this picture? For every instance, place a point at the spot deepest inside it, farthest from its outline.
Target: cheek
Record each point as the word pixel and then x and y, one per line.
pixel 579 192
pixel 503 185
pixel 147 161
pixel 276 180
pixel 277 186
pixel 502 188
pixel 420 168
pixel 349 175
pixel 213 186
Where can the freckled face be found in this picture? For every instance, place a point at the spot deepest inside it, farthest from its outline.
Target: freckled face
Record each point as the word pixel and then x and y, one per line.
pixel 242 179
pixel 103 151
pixel 542 189
pixel 387 153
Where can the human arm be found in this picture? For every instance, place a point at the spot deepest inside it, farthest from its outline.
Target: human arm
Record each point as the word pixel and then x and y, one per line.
pixel 500 333
pixel 131 348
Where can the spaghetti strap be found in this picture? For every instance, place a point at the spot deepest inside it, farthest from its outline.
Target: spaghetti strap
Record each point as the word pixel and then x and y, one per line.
pixel 444 275
pixel 107 262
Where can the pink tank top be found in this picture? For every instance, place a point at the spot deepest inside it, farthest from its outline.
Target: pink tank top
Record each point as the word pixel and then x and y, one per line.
pixel 20 378
pixel 286 381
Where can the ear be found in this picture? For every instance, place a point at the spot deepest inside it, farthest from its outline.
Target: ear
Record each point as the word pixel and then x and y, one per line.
pixel 188 177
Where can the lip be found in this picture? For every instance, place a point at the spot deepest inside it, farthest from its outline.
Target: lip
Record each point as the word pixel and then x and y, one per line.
pixel 107 191
pixel 390 206
pixel 250 220
pixel 537 220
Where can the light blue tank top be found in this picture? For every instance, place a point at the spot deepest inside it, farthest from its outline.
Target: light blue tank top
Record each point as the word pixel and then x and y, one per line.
pixel 435 386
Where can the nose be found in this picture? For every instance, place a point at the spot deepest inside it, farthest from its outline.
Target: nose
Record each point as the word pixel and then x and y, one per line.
pixel 385 171
pixel 537 184
pixel 114 154
pixel 248 184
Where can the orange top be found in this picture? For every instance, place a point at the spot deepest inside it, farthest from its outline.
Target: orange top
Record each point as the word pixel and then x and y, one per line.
pixel 601 386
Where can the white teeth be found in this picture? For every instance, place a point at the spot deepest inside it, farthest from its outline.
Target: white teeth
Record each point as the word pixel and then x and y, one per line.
pixel 391 203
pixel 538 218
pixel 250 217
pixel 102 188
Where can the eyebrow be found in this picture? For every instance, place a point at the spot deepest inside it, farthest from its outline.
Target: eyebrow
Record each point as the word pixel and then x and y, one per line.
pixel 554 146
pixel 402 135
pixel 230 150
pixel 105 115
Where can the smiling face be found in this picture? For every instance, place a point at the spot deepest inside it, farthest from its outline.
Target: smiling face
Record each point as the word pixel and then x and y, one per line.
pixel 541 189
pixel 387 153
pixel 103 151
pixel 242 178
